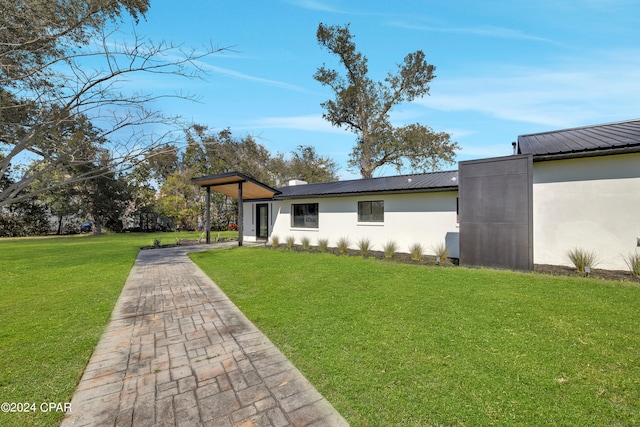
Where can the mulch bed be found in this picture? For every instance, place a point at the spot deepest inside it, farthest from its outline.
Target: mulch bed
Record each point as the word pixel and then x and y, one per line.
pixel 559 270
pixel 555 270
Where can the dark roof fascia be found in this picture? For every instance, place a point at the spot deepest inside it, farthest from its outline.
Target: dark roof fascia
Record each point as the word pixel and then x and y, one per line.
pixel 241 178
pixel 583 154
pixel 364 193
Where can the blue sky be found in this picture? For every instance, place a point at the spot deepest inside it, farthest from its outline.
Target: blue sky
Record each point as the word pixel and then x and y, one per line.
pixel 504 68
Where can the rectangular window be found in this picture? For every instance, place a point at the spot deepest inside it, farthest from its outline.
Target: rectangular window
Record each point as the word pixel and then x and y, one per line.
pixel 304 215
pixel 371 211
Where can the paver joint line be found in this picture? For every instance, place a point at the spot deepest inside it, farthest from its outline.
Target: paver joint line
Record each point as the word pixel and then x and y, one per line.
pixel 184 354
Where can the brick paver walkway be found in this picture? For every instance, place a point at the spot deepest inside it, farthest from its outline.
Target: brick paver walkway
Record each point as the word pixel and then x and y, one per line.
pixel 178 352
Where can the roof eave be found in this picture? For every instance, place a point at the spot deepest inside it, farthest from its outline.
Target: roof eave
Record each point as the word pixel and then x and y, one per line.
pixel 589 153
pixel 365 193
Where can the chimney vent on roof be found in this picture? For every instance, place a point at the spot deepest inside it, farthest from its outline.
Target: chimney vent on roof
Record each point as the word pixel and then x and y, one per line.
pixel 515 151
pixel 293 182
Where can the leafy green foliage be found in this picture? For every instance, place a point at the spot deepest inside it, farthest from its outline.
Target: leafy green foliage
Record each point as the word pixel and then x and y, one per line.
pixel 392 344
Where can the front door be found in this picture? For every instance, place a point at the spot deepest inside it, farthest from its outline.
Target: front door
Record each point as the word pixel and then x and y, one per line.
pixel 262 221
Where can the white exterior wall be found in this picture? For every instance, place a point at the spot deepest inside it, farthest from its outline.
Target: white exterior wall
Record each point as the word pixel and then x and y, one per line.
pixel 591 203
pixel 249 222
pixel 426 218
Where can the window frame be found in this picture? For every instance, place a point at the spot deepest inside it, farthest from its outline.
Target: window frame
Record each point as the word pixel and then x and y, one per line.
pixel 371 215
pixel 306 215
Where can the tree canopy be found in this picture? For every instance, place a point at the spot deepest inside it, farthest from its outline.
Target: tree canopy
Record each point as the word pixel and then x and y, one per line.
pixel 363 107
pixel 60 70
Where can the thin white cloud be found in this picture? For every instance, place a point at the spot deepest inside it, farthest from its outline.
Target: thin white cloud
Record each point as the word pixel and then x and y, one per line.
pixel 310 123
pixel 314 5
pixel 484 31
pixel 567 95
pixel 254 79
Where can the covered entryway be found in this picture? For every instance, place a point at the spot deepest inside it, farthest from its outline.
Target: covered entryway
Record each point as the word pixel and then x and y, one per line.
pixel 242 188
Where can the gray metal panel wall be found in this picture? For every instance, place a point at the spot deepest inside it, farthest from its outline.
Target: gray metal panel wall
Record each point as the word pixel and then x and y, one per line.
pixel 496 213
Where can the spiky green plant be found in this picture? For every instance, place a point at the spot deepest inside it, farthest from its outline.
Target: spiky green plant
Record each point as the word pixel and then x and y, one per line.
pixel 364 245
pixel 290 241
pixel 323 245
pixel 633 262
pixel 582 258
pixel 275 241
pixel 343 245
pixel 442 251
pixel 390 249
pixel 305 242
pixel 416 251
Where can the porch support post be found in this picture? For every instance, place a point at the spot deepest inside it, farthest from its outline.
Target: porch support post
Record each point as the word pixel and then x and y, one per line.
pixel 240 215
pixel 207 216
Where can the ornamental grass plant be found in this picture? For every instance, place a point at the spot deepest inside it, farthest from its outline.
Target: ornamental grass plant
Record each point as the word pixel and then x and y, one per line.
pixel 582 258
pixel 633 262
pixel 343 245
pixel 323 245
pixel 390 249
pixel 364 246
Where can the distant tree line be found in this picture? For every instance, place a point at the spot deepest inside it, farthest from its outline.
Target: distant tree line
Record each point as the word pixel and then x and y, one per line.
pixel 158 194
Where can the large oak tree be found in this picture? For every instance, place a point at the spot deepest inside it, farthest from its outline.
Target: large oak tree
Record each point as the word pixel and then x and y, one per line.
pixel 363 107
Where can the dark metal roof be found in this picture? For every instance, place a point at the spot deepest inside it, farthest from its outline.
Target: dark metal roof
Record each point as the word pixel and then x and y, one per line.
pixel 427 182
pixel 597 140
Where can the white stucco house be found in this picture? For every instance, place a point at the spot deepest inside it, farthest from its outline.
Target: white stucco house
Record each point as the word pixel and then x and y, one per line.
pixel 559 190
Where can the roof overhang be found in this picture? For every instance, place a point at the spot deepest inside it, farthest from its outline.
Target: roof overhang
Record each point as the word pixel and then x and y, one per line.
pixel 590 153
pixel 227 184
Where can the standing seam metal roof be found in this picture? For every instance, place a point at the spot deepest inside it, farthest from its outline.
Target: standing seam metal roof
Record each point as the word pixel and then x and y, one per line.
pixel 596 140
pixel 433 181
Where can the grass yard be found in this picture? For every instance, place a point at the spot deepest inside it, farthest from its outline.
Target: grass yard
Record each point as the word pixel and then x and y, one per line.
pixel 56 297
pixel 398 344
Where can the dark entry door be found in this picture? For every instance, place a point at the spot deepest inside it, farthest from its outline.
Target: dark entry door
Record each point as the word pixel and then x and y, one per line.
pixel 262 221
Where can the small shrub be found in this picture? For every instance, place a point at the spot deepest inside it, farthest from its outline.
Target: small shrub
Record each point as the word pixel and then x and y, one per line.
pixel 275 241
pixel 290 241
pixel 441 250
pixel 633 262
pixel 390 249
pixel 306 243
pixel 581 258
pixel 323 245
pixel 416 251
pixel 343 245
pixel 364 244
pixel 156 243
pixel 178 241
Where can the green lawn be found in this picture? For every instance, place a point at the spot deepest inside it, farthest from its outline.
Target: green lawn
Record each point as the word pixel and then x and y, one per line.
pixel 56 297
pixel 399 344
